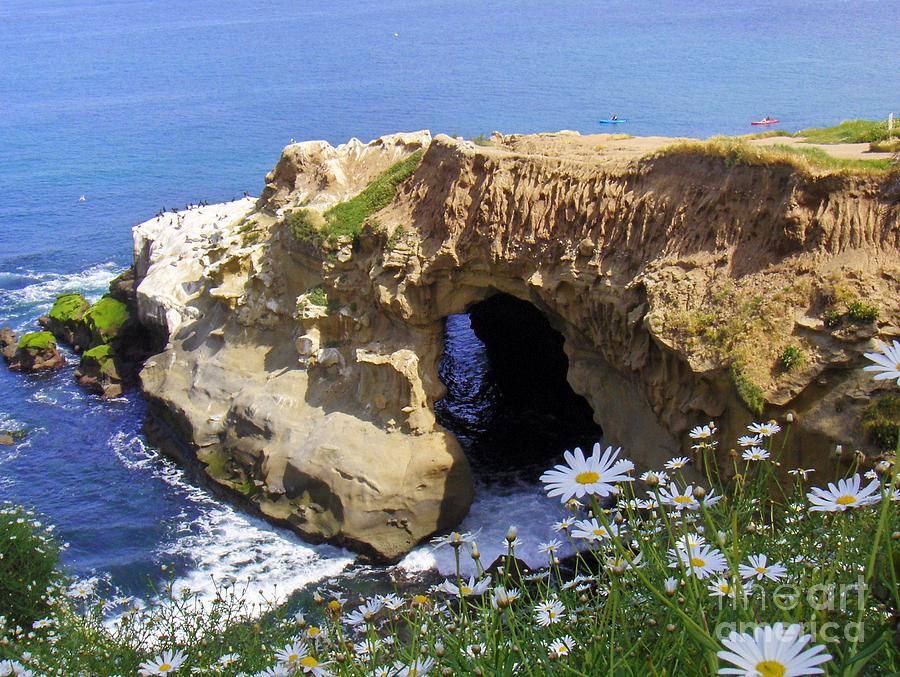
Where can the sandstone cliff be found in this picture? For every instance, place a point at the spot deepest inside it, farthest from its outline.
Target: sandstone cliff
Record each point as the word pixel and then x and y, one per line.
pixel 302 373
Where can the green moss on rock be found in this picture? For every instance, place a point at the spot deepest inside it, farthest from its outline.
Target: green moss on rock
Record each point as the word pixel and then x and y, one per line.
pixel 37 341
pixel 881 421
pixel 106 318
pixel 69 308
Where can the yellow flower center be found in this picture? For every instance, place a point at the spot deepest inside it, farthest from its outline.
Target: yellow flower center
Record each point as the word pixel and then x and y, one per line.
pixel 420 599
pixel 309 662
pixel 292 657
pixel 313 631
pixel 760 570
pixel 563 650
pixel 697 562
pixel 846 500
pixel 683 499
pixel 771 669
pixel 334 605
pixel 165 667
pixel 465 590
pixel 600 532
pixel 587 477
pixel 413 672
pixel 724 587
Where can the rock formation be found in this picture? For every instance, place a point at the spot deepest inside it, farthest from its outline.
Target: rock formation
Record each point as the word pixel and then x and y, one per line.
pixel 301 372
pixel 35 351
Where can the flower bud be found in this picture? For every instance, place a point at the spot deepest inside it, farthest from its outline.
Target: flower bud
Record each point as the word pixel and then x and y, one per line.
pixel 511 534
pixel 652 480
pixel 699 493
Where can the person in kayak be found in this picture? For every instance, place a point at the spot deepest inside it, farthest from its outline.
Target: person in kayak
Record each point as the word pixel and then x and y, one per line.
pixel 615 116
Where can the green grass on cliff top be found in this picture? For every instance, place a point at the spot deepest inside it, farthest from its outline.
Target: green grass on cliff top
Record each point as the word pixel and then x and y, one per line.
pixel 106 317
pixel 738 151
pixel 347 217
pixel 849 131
pixel 69 308
pixel 37 340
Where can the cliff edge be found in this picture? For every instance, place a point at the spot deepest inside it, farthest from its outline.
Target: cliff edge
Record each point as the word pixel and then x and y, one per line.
pixel 305 329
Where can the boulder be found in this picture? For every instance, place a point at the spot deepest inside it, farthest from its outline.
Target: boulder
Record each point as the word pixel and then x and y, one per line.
pixel 99 371
pixel 66 320
pixel 8 343
pixel 36 351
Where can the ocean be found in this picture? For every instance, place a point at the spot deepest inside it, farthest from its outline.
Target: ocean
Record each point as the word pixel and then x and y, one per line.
pixel 138 105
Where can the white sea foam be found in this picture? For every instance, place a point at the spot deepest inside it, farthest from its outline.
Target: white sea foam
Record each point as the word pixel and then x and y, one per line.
pixel 494 510
pixel 226 546
pixel 43 288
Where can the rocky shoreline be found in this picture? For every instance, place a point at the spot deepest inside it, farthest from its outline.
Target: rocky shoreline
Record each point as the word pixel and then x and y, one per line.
pixel 302 331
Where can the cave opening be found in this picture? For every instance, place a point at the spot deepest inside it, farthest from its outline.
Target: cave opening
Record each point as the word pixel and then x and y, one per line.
pixel 508 401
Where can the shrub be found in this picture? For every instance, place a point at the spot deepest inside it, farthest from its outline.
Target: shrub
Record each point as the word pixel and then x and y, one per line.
pixel 304 226
pixel 750 394
pixel 36 341
pixel 482 140
pixel 848 131
pixel 28 567
pixel 881 421
pixel 832 317
pixel 395 238
pixel 862 313
pixel 886 146
pixel 791 358
pixel 317 297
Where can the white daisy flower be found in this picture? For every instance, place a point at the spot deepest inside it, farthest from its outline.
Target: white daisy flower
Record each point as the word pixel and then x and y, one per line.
pixel 454 539
pixel 702 432
pixel 292 653
pixel 661 476
pixel 772 651
pixel 467 589
pixel 562 646
pixel 671 585
pixel 164 664
pixel 847 494
pixel 677 463
pixel 476 650
pixel 887 362
pixel 14 669
pixel 365 613
pixel 722 587
pixel 619 565
pixel 801 472
pixel 870 475
pixel 759 568
pixel 564 524
pixel 418 668
pixel 750 440
pixel 549 612
pixel 228 659
pixel 755 454
pixel 684 500
pixel 596 475
pixel 689 541
pixel 550 547
pixel 503 598
pixel 702 561
pixel 592 530
pixel 764 429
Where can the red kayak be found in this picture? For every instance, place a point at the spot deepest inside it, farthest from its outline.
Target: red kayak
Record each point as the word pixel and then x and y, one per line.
pixel 765 121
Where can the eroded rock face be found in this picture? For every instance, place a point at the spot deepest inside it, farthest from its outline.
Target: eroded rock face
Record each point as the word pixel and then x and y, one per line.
pixel 35 351
pixel 675 280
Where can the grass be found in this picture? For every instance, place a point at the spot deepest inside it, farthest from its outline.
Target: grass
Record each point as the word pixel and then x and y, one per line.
pixel 36 341
pixel 791 358
pixel 28 567
pixel 850 131
pixel 106 318
pixel 739 152
pixel 317 297
pixel 881 421
pixel 69 308
pixel 347 218
pixel 749 393
pixel 625 603
pixel 821 159
pixel 862 313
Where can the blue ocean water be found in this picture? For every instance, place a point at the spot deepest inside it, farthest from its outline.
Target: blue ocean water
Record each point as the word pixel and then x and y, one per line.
pixel 138 105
